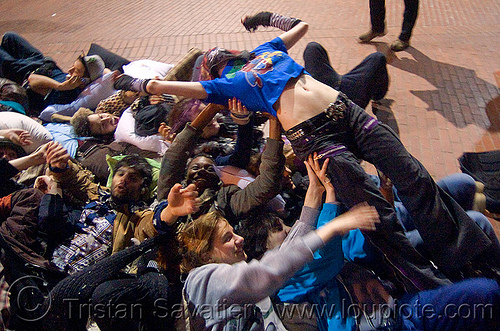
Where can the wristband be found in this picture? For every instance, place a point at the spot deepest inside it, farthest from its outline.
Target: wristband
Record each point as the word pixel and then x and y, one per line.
pixel 241 119
pixel 284 23
pixel 239 116
pixel 58 170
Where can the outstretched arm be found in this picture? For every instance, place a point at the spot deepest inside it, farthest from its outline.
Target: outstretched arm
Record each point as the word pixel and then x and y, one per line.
pixel 294 28
pixel 174 160
pixel 291 37
pixel 152 86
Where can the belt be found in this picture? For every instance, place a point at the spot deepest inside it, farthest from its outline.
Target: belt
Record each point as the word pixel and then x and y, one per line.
pixel 334 112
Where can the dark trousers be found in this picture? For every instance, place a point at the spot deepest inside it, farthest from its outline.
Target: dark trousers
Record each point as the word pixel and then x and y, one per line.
pixel 472 304
pixel 18 57
pixel 453 237
pixel 377 17
pixel 135 303
pixel 369 80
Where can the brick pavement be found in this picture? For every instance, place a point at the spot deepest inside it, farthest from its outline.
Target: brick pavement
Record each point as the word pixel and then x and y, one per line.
pixel 444 95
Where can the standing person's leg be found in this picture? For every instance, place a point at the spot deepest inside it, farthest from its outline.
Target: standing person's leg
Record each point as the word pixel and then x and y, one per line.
pixel 317 63
pixel 451 236
pixel 369 80
pixel 24 57
pixel 377 20
pixel 409 20
pixel 377 15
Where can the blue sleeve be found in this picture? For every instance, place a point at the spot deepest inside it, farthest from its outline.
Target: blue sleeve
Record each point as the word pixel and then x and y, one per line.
pixel 329 212
pixel 160 226
pixel 219 90
pixel 352 245
pixel 321 270
pixel 276 44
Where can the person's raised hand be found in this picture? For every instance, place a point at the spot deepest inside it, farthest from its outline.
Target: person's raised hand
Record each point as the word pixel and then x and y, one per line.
pixel 18 136
pixel 314 181
pixel 362 216
pixel 155 99
pixel 166 132
pixel 183 201
pixel 239 113
pixel 321 173
pixel 57 156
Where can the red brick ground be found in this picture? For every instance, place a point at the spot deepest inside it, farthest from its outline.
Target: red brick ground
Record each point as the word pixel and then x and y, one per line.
pixel 445 97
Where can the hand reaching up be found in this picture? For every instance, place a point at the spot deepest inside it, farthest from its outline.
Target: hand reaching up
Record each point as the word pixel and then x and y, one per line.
pixel 57 156
pixel 181 202
pixel 166 132
pixel 239 113
pixel 361 216
pixel 321 173
pixel 314 194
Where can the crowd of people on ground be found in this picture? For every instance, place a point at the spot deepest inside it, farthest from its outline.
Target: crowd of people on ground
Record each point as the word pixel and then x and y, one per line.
pixel 227 192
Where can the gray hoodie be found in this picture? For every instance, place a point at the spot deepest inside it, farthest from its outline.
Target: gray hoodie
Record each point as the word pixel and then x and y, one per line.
pixel 224 297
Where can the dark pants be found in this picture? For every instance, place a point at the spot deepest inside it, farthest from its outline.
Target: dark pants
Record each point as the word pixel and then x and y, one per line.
pixel 136 302
pixel 472 304
pixel 377 17
pixel 369 80
pixel 462 188
pixel 452 236
pixel 18 58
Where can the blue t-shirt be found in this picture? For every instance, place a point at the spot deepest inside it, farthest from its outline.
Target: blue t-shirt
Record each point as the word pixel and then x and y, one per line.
pixel 259 84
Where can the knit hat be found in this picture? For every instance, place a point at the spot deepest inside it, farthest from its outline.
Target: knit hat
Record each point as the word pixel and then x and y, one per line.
pixel 94 66
pixel 5 142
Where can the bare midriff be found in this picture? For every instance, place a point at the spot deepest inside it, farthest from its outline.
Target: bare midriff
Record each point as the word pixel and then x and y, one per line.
pixel 303 97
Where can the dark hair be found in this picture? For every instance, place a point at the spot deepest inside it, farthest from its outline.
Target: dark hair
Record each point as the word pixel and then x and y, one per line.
pixel 255 229
pixel 7 143
pixel 138 163
pixel 11 91
pixel 183 112
pixel 208 156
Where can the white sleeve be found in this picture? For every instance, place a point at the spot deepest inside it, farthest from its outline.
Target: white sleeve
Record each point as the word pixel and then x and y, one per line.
pixel 125 132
